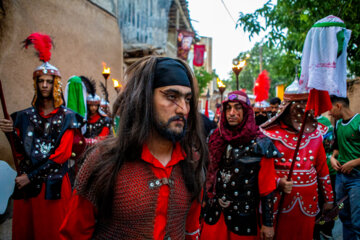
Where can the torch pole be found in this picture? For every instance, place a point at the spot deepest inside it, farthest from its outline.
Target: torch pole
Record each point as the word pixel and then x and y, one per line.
pixel 8 135
pixel 237 81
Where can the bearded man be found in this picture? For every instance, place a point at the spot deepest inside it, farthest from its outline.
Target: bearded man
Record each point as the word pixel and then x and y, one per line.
pixel 142 183
pixel 43 137
pixel 240 175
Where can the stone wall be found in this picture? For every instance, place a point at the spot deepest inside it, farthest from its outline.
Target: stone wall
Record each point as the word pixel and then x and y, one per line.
pixel 84 35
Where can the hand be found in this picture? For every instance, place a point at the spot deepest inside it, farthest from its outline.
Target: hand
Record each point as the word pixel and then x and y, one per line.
pixel 266 232
pixel 21 181
pixel 327 207
pixel 6 125
pixel 285 186
pixel 347 167
pixel 335 163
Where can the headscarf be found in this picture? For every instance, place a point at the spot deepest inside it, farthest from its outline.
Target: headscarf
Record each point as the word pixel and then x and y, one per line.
pixel 243 133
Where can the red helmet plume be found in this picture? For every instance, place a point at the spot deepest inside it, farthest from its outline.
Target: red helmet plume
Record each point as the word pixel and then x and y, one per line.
pixel 42 44
pixel 262 86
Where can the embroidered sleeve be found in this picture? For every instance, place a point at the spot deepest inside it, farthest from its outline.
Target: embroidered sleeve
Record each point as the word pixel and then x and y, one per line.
pixel 323 176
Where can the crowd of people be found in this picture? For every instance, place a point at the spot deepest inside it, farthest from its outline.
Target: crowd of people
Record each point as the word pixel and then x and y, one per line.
pixel 162 177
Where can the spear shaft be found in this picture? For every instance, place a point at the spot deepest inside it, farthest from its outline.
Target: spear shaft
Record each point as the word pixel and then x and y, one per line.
pixel 8 135
pixel 281 202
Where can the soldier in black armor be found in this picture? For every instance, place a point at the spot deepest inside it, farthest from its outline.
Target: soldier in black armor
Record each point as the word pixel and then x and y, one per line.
pixel 98 123
pixel 43 136
pixel 240 176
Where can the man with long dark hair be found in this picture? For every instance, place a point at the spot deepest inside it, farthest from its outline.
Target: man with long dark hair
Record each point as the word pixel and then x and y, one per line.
pixel 146 182
pixel 240 175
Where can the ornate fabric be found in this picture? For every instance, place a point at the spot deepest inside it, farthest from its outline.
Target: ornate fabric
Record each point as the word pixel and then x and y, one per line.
pixel 94 129
pixel 237 183
pixel 39 137
pixel 246 131
pixel 310 172
pixel 134 204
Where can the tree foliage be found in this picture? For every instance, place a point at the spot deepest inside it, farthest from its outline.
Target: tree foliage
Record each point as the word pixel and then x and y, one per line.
pixel 203 77
pixel 288 22
pixel 279 64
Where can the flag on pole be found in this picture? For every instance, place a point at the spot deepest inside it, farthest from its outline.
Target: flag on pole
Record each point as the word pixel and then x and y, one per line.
pixel 199 51
pixel 323 63
pixel 184 42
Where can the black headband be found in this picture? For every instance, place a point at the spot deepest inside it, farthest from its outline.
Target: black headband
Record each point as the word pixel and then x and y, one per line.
pixel 170 72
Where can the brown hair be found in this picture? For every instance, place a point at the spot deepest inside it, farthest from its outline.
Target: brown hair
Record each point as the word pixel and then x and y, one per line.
pixel 135 107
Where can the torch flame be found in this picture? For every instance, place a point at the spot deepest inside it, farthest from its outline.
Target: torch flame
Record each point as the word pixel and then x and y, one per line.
pixel 116 83
pixel 220 83
pixel 241 64
pixel 106 70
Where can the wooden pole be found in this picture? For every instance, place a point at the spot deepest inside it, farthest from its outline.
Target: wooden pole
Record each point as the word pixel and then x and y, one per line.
pixel 8 135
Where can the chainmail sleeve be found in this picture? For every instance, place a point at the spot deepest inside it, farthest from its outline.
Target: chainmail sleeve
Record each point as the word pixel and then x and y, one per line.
pixel 83 176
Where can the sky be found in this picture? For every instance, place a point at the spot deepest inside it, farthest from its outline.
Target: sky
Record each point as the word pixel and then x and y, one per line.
pixel 211 19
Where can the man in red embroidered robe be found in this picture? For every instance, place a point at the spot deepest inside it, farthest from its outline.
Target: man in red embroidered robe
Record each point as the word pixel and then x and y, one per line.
pixel 311 174
pixel 146 182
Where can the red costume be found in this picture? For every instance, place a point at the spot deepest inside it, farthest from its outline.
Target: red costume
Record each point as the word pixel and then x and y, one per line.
pixel 97 128
pixel 241 174
pixel 310 174
pixel 42 207
pixel 43 145
pixel 296 219
pixel 154 204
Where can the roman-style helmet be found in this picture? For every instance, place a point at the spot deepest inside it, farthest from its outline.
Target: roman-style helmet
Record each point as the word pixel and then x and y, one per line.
pixel 92 97
pixel 293 108
pixel 43 44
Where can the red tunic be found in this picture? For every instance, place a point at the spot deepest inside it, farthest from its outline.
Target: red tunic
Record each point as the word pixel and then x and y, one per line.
pixel 80 220
pixel 310 175
pixel 37 218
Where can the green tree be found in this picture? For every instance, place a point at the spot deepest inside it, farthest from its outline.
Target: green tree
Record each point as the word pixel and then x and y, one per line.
pixel 288 22
pixel 279 63
pixel 203 77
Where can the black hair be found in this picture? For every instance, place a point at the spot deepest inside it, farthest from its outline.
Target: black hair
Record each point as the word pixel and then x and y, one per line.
pixel 344 101
pixel 275 100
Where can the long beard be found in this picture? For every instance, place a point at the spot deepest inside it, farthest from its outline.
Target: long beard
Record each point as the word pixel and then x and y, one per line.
pixel 164 129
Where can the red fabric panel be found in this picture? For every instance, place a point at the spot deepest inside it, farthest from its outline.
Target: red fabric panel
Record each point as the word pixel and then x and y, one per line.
pixel 206 108
pixel 199 51
pixel 319 101
pixel 161 171
pixel 192 221
pixel 294 225
pixel 94 119
pixel 37 218
pixel 79 222
pixel 267 176
pixel 104 133
pixel 220 231
pixel 63 151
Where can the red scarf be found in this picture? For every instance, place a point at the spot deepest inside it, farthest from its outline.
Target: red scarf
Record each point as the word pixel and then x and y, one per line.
pixel 242 134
